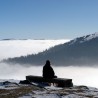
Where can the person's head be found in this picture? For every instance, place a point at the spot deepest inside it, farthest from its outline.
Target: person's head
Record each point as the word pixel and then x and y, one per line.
pixel 47 62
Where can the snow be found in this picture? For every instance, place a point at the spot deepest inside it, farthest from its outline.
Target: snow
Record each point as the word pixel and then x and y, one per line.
pixel 46 96
pixel 56 92
pixel 72 96
pixel 25 97
pixel 91 36
pixel 85 38
pixel 42 96
pixel 13 84
pixel 52 88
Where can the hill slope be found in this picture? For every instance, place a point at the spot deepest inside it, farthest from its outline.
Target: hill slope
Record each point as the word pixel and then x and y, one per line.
pixel 80 51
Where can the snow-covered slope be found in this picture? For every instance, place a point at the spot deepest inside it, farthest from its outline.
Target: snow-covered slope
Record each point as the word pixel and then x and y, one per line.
pixel 89 37
pixel 84 38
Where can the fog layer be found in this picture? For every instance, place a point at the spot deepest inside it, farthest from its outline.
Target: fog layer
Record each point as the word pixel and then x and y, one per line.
pixel 16 48
pixel 80 75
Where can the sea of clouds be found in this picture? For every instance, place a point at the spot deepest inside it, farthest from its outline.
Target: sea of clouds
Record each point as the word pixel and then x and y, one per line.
pixel 16 48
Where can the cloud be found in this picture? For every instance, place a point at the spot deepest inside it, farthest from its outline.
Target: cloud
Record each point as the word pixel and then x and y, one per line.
pixel 17 71
pixel 79 75
pixel 16 48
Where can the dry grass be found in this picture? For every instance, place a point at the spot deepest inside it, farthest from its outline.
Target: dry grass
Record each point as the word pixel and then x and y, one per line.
pixel 20 91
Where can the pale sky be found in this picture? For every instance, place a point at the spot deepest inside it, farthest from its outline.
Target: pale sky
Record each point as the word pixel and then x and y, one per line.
pixel 48 19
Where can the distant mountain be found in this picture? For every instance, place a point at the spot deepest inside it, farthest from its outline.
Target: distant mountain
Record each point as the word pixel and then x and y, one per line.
pixel 19 39
pixel 80 51
pixel 11 39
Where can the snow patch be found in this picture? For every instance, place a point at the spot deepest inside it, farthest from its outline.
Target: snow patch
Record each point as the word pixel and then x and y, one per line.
pixel 89 37
pixel 84 38
pixel 53 87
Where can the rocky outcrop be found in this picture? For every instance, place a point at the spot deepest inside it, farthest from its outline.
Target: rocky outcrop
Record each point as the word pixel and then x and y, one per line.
pixel 34 91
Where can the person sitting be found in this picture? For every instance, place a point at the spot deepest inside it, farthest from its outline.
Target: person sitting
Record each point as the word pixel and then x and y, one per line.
pixel 48 71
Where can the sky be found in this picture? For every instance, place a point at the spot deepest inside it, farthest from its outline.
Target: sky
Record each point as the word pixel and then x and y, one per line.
pixel 47 19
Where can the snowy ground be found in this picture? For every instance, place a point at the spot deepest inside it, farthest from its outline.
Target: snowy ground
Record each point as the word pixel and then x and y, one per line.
pixel 16 90
pixel 74 92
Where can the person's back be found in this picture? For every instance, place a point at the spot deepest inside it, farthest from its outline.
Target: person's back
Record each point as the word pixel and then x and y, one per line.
pixel 48 71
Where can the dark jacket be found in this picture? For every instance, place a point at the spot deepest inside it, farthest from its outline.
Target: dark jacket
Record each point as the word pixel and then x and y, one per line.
pixel 48 71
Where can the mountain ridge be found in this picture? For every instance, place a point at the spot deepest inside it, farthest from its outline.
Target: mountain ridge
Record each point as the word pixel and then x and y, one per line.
pixel 80 51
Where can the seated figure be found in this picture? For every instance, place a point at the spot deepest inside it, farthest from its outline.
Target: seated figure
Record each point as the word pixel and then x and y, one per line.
pixel 48 71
